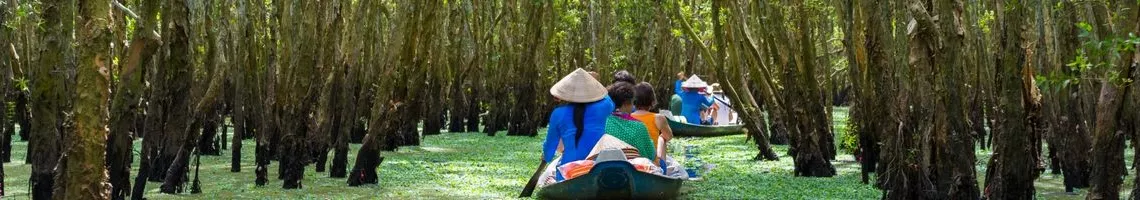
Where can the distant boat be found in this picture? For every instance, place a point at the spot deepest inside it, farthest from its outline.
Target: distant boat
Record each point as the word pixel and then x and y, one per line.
pixel 696 130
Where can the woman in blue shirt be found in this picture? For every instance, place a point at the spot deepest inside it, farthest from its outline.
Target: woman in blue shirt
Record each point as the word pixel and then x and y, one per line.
pixel 578 124
pixel 692 101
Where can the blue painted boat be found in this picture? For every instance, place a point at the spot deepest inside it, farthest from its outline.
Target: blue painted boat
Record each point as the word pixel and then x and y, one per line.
pixel 615 179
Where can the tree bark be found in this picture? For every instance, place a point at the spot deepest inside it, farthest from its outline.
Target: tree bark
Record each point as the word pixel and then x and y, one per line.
pixel 83 174
pixel 1013 167
pixel 125 106
pixel 48 97
pixel 1111 120
pixel 747 104
pixel 7 62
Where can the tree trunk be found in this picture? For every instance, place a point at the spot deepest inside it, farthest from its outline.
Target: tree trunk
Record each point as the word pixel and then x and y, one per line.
pixel 83 174
pixel 457 107
pixel 368 158
pixel 22 114
pixel 346 122
pixel 864 105
pixel 1111 120
pixel 206 145
pixel 125 105
pixel 178 82
pixel 1068 134
pixel 747 104
pixel 812 127
pixel 47 94
pixel 1013 167
pixel 1131 122
pixel 7 62
pixel 433 101
pixel 177 72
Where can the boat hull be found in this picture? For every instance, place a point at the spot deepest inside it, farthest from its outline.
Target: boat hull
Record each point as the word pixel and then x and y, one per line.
pixel 614 180
pixel 694 130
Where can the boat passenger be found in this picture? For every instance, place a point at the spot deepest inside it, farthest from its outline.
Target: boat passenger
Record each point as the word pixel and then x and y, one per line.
pixel 579 123
pixel 692 101
pixel 623 126
pixel 624 76
pixel 657 124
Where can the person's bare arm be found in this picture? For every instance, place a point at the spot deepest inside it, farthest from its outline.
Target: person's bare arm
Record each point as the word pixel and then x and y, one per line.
pixel 664 137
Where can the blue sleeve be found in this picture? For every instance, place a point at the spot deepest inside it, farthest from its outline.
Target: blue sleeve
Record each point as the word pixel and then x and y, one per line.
pixel 552 137
pixel 708 101
pixel 677 87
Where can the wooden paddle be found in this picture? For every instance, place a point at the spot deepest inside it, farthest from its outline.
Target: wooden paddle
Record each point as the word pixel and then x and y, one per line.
pixel 529 189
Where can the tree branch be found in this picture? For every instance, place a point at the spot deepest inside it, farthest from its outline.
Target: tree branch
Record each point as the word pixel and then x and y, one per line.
pixel 688 28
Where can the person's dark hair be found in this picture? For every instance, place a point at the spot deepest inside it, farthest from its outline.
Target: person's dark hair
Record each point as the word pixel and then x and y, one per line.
pixel 579 116
pixel 621 92
pixel 643 96
pixel 624 76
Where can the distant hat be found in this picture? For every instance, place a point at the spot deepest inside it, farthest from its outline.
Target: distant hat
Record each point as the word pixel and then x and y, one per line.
pixel 694 82
pixel 715 88
pixel 578 87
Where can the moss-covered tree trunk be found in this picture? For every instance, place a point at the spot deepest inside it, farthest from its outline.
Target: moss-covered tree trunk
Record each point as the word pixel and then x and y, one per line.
pixel 48 96
pixel 812 128
pixel 938 122
pixel 859 33
pixel 83 174
pixel 1013 167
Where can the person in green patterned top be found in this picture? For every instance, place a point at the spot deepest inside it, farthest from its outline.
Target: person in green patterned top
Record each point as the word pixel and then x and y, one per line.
pixel 623 126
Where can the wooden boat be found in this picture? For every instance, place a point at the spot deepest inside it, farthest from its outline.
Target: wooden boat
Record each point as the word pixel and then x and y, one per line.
pixel 615 179
pixel 696 130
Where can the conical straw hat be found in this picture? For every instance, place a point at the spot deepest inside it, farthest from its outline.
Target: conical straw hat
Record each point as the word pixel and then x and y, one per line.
pixel 578 87
pixel 694 82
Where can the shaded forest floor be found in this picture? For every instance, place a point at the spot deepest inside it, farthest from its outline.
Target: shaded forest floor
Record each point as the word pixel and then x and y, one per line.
pixel 474 166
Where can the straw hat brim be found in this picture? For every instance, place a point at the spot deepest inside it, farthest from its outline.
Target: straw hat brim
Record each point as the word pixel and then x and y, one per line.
pixel 578 87
pixel 694 82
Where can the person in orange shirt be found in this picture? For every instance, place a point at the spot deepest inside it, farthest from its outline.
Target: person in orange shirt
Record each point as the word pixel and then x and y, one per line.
pixel 658 125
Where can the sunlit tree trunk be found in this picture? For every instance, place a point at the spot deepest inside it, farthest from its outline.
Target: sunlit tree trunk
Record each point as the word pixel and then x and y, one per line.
pixel 83 174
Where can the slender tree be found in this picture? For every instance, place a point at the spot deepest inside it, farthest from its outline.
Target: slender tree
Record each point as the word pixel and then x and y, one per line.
pixel 7 61
pixel 125 104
